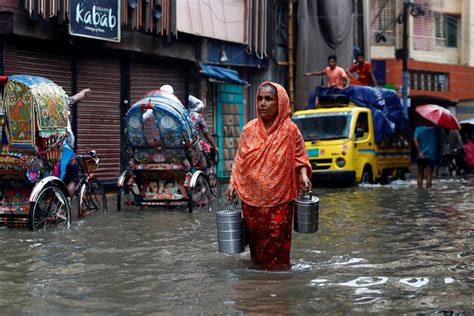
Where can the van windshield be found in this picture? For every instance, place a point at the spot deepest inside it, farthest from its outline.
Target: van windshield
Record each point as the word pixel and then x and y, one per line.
pixel 319 126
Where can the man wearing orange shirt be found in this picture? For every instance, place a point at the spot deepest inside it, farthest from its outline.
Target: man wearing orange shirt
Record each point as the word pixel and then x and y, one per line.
pixel 336 75
pixel 363 69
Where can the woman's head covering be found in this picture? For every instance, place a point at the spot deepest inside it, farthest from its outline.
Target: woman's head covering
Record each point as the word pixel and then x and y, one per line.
pixel 264 169
pixel 167 88
pixel 284 110
pixel 194 104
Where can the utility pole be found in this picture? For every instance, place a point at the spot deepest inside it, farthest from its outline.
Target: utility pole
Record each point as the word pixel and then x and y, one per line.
pixel 406 5
pixel 290 55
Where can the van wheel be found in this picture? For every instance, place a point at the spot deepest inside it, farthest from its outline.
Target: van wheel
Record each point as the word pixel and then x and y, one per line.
pixel 385 177
pixel 401 174
pixel 367 176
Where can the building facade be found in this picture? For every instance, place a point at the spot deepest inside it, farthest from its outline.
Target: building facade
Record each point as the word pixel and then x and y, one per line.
pixel 129 47
pixel 441 50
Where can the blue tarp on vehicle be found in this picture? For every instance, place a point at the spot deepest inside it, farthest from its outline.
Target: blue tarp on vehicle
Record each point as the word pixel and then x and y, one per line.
pixel 387 110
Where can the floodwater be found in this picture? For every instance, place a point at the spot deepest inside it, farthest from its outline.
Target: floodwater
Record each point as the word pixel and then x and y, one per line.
pixel 380 249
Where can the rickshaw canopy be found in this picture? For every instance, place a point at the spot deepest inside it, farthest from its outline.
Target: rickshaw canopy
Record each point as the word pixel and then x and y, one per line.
pixel 34 104
pixel 172 121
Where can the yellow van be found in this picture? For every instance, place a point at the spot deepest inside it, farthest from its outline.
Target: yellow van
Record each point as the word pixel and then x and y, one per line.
pixel 341 145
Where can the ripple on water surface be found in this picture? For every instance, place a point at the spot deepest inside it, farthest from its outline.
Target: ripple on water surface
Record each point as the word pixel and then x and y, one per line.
pixel 382 249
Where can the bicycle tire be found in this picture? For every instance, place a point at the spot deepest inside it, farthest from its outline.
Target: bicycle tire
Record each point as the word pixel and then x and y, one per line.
pixel 200 195
pixel 92 198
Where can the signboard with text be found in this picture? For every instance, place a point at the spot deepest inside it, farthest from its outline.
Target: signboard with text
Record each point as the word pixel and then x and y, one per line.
pixel 98 19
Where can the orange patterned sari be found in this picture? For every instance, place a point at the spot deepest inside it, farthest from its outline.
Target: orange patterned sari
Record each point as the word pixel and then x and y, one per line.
pixel 265 176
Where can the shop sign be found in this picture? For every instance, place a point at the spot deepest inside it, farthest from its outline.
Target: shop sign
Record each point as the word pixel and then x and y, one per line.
pixel 98 19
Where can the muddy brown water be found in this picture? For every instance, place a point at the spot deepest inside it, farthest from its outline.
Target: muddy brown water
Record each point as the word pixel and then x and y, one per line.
pixel 384 249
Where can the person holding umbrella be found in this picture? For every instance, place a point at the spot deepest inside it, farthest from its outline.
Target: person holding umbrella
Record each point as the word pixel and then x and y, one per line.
pixel 426 138
pixel 426 142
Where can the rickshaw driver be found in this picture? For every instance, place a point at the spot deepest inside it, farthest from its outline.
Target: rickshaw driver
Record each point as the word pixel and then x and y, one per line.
pixel 71 176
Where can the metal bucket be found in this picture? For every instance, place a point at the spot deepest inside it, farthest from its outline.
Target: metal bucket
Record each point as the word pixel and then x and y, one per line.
pixel 306 214
pixel 230 231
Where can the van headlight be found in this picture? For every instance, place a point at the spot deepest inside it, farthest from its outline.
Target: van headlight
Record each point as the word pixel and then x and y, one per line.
pixel 340 162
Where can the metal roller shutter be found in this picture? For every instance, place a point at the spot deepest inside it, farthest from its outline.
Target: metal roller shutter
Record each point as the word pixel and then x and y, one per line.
pixel 53 64
pixel 98 116
pixel 146 76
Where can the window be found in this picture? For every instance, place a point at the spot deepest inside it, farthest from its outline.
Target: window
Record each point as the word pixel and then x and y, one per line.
pixel 363 123
pixel 438 25
pixel 452 23
pixel 428 80
pixel 435 30
pixel 446 29
pixel 383 16
pixel 317 126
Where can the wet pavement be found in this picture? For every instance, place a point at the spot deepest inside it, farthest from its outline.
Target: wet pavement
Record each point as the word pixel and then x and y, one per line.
pixel 383 249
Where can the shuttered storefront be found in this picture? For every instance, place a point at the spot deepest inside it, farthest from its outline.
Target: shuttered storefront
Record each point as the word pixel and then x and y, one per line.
pixel 147 75
pixel 98 115
pixel 53 63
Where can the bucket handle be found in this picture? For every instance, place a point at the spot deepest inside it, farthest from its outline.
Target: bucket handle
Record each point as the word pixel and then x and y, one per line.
pixel 310 194
pixel 231 204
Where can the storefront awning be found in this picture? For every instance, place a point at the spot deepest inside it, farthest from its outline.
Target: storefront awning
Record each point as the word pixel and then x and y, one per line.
pixel 222 74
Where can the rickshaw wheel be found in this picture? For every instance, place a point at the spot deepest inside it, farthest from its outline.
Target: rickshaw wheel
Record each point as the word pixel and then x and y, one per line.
pixel 200 195
pixel 119 198
pixel 125 196
pixel 51 207
pixel 91 198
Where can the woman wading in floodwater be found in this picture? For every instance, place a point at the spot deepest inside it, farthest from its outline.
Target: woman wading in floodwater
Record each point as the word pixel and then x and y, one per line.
pixel 270 169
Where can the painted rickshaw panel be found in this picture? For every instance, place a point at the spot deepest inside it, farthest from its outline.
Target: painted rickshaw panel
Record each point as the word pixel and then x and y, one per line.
pixel 172 121
pixel 36 113
pixel 30 97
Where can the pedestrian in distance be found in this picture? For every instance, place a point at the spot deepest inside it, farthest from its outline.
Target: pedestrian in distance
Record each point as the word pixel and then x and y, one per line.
pixel 426 141
pixel 363 70
pixel 269 171
pixel 451 152
pixel 195 107
pixel 336 76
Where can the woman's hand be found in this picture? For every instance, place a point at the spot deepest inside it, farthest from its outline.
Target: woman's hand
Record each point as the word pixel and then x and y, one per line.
pixel 304 181
pixel 230 193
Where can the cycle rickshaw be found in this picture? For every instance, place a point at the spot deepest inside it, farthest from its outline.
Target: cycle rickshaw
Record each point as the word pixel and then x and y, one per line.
pixel 162 155
pixel 33 159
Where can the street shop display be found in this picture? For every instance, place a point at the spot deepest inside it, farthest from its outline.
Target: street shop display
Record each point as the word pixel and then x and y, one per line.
pixel 33 121
pixel 163 152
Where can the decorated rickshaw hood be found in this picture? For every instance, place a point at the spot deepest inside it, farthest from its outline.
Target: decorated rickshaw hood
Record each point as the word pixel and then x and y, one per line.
pixel 34 103
pixel 171 119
